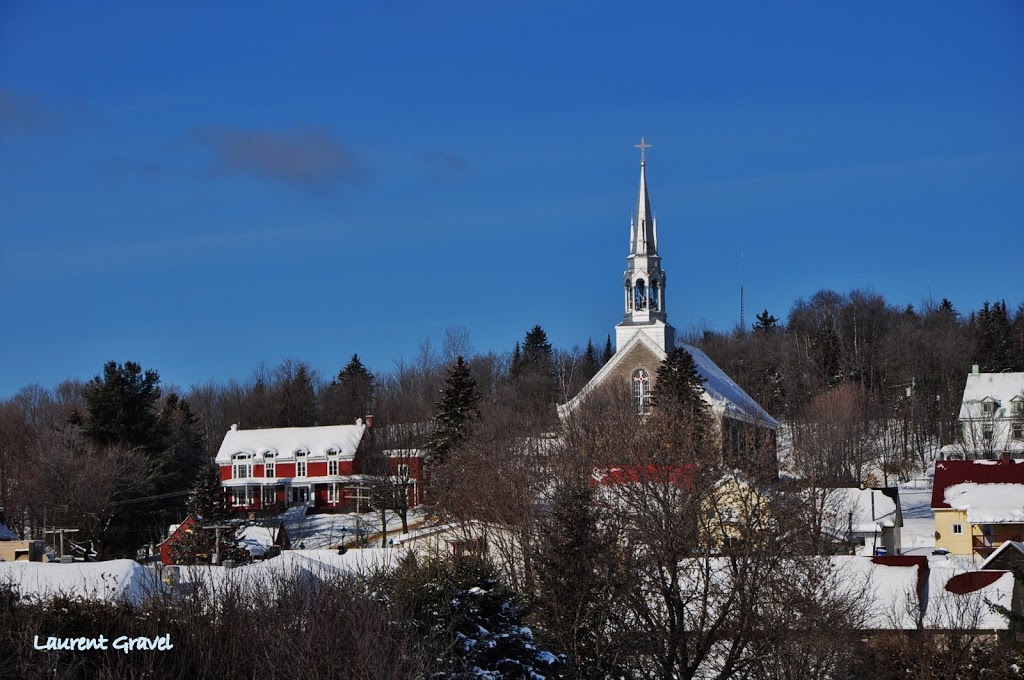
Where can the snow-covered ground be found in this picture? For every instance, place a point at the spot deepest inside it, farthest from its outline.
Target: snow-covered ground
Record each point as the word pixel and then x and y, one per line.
pixel 325 531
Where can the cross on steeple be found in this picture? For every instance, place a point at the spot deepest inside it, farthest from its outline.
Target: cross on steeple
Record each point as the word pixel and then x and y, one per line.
pixel 643 146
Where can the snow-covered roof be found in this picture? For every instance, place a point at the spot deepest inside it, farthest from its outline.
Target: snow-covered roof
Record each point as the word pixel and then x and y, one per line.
pixel 958 596
pixel 890 597
pixel 112 580
pixel 726 393
pixel 255 539
pixel 986 473
pixel 988 503
pixel 1000 387
pixel 283 442
pixel 721 390
pixel 866 510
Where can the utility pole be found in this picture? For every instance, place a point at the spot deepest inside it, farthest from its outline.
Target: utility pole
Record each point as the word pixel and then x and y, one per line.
pixel 216 538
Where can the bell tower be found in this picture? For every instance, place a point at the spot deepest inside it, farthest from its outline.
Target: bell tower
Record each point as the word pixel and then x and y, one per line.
pixel 644 280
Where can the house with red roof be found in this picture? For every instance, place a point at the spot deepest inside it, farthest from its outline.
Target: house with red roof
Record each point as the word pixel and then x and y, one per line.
pixel 978 504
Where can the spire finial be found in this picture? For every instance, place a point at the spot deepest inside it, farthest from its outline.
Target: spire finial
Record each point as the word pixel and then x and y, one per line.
pixel 643 146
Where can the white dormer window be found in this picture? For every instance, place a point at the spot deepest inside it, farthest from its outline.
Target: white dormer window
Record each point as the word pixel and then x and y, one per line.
pixel 1017 406
pixel 241 465
pixel 988 406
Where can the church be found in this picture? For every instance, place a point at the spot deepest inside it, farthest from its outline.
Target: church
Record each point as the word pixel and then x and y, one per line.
pixel 644 337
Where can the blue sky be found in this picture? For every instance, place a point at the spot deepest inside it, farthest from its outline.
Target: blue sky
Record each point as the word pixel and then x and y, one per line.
pixel 200 188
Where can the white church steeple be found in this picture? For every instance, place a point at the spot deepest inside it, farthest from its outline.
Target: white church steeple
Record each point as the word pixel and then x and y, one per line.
pixel 644 279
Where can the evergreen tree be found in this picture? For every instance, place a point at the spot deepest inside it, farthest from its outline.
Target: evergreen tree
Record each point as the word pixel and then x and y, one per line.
pixel 120 407
pixel 537 349
pixel 993 339
pixel 589 365
pixel 183 449
pixel 766 323
pixel 577 586
pixel 456 411
pixel 206 500
pixel 679 391
pixel 534 378
pixel 517 361
pixel 609 351
pixel 356 388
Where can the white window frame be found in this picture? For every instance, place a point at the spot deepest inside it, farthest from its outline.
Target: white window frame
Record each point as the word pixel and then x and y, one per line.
pixel 301 468
pixel 268 492
pixel 402 471
pixel 241 496
pixel 269 469
pixel 958 529
pixel 332 467
pixel 241 466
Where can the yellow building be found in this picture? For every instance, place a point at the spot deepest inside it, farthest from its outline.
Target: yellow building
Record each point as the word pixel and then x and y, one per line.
pixel 978 505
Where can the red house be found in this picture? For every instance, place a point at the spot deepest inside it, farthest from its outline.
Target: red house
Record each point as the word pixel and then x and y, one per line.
pixel 328 467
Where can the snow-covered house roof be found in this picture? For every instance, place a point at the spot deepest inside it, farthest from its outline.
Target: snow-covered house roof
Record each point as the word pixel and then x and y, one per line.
pixel 113 580
pixel 988 503
pixel 864 510
pixel 999 389
pixel 985 488
pixel 284 443
pixel 959 596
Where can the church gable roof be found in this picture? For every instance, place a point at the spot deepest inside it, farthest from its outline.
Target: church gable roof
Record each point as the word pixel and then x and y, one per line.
pixel 640 343
pixel 721 390
pixel 726 393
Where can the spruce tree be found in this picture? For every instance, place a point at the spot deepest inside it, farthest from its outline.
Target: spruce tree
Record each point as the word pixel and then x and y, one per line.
pixel 679 391
pixel 356 385
pixel 766 323
pixel 609 351
pixel 121 407
pixel 456 411
pixel 589 365
pixel 206 500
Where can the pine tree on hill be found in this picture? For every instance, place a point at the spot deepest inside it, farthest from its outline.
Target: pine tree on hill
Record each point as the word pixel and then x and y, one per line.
pixel 536 348
pixel 609 351
pixel 356 385
pixel 456 411
pixel 121 407
pixel 766 323
pixel 589 365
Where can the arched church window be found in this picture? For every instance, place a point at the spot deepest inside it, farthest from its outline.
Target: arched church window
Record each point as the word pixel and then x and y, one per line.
pixel 642 391
pixel 655 296
pixel 640 296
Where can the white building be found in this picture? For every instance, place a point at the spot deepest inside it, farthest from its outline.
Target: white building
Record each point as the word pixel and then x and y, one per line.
pixel 991 415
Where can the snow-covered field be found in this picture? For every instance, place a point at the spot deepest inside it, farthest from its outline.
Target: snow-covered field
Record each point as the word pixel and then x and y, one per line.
pixel 325 531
